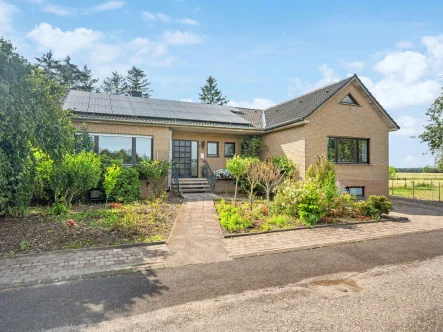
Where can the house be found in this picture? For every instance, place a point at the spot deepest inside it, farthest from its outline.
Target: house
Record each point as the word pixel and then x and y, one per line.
pixel 342 120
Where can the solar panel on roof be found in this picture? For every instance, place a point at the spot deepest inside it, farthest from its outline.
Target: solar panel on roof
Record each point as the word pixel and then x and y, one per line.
pixel 99 109
pixel 98 101
pixel 75 106
pixel 146 113
pixel 123 111
pixel 121 103
pixel 99 95
pixel 78 99
pixel 115 97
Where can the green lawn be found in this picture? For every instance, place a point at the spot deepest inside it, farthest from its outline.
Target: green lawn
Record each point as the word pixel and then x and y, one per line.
pixel 419 192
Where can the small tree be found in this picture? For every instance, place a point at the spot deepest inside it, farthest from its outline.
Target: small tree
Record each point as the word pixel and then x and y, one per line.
pixel 155 173
pixel 115 84
pixel 238 167
pixel 322 172
pixel 136 81
pixel 111 177
pixel 250 146
pixel 83 142
pixel 74 175
pixel 253 178
pixel 392 172
pixel 210 94
pixel 268 176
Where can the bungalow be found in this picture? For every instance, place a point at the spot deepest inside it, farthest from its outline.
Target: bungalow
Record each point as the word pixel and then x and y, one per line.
pixel 342 120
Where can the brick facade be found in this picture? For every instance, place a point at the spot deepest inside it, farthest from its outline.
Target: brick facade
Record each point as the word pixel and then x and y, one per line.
pixel 300 143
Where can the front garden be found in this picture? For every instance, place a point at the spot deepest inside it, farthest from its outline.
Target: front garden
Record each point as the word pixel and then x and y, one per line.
pixel 277 200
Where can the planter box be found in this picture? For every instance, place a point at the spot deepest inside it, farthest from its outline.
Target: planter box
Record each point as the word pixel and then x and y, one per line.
pixel 224 186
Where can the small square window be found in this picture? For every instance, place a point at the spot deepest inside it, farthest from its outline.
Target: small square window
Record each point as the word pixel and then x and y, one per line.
pixel 229 150
pixel 356 191
pixel 212 149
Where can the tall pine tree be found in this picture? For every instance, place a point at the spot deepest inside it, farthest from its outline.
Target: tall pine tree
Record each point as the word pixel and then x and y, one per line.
pixel 115 84
pixel 86 81
pixel 211 94
pixel 136 81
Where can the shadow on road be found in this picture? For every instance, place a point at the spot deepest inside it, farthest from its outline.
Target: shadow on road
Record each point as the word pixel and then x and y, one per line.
pixel 99 297
pixel 416 207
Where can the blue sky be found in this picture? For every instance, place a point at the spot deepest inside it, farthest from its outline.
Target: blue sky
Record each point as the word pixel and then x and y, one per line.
pixel 261 54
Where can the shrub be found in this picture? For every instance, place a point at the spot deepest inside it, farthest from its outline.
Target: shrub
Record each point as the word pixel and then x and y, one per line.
pixel 155 172
pixel 127 187
pixel 322 171
pixel 234 221
pixel 74 175
pixel 286 198
pixel 58 209
pixel 110 180
pixel 279 220
pixel 250 146
pixel 286 165
pixel 379 204
pixel 312 203
pixel 43 169
pixel 340 206
pixel 268 176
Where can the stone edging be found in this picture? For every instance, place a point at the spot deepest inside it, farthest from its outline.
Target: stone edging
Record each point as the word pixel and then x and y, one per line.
pixel 120 246
pixel 229 236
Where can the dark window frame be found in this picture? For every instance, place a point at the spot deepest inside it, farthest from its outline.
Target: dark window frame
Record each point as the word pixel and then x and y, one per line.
pixel 133 146
pixel 355 103
pixel 207 150
pixel 226 155
pixel 355 187
pixel 357 139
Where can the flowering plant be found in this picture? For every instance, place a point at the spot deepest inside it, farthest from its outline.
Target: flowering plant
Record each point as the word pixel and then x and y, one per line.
pixel 223 174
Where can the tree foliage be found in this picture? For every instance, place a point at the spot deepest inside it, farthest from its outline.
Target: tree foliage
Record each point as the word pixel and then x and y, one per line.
pixel 433 134
pixel 115 84
pixel 83 142
pixel 238 167
pixel 392 172
pixel 136 81
pixel 268 176
pixel 250 146
pixel 210 94
pixel 67 74
pixel 155 172
pixel 30 117
pixel 110 181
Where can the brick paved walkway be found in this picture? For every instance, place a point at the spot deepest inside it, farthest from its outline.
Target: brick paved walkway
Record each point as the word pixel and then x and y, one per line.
pixel 51 267
pixel 196 236
pixel 422 216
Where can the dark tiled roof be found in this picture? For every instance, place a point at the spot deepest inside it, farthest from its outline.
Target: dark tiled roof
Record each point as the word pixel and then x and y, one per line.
pixel 301 107
pixel 254 116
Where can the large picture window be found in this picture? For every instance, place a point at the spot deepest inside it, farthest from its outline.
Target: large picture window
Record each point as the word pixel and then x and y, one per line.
pixel 344 150
pixel 130 149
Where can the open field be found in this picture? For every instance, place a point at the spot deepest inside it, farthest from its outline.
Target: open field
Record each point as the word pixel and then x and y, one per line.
pixel 419 176
pixel 428 189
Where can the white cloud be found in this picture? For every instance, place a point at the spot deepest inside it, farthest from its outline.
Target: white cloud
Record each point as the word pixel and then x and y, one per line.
pixel 163 18
pixel 188 21
pixel 182 38
pixel 110 5
pixel 409 125
pixel 393 93
pixel 147 16
pixel 58 10
pixel 404 45
pixel 63 43
pixel 297 86
pixel 144 50
pixel 355 66
pixel 434 45
pixel 6 12
pixel 257 103
pixel 405 66
pixel 409 158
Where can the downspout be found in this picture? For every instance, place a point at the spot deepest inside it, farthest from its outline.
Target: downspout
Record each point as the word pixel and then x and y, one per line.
pixel 170 160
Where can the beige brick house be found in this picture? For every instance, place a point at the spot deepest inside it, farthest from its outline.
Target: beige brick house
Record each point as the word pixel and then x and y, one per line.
pixel 342 120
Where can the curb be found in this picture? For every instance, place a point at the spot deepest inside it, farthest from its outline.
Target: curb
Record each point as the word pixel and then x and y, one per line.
pixel 93 275
pixel 320 245
pixel 399 219
pixel 120 246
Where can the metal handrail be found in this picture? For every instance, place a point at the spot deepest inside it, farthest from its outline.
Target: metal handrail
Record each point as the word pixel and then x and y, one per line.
pixel 176 178
pixel 209 174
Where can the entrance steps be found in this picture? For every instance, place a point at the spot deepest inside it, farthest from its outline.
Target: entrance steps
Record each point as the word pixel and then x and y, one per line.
pixel 194 185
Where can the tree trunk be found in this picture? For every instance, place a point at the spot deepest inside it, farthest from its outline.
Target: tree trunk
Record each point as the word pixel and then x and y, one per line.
pixel 235 193
pixel 251 195
pixel 268 189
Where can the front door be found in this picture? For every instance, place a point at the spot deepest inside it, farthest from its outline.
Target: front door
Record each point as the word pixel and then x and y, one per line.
pixel 185 156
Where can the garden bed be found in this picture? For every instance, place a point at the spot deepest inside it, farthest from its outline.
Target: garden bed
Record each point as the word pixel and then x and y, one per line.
pixel 256 221
pixel 91 225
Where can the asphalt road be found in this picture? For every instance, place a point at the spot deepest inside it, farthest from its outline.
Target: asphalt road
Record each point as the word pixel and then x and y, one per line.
pixel 68 305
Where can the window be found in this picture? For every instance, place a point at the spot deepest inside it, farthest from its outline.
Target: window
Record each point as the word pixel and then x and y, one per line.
pixel 130 149
pixel 229 150
pixel 212 149
pixel 349 100
pixel 343 150
pixel 356 191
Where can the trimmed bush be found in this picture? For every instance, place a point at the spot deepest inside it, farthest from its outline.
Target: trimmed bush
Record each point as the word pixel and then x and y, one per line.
pixel 127 186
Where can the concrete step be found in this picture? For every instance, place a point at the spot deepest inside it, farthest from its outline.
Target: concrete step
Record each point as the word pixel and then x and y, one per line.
pixel 193 185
